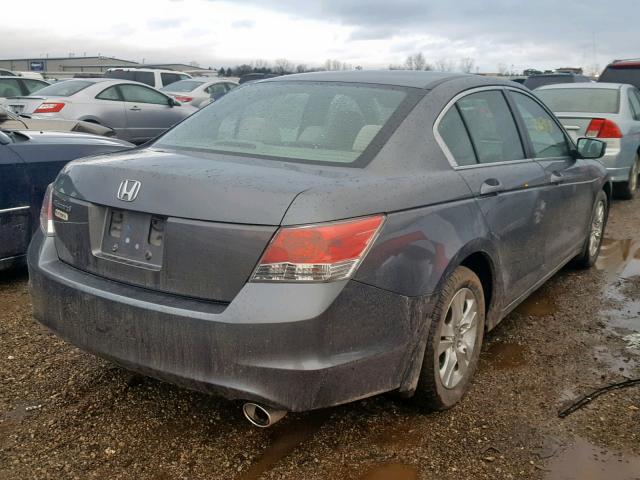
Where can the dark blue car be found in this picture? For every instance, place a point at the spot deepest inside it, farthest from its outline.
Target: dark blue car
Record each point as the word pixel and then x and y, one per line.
pixel 29 161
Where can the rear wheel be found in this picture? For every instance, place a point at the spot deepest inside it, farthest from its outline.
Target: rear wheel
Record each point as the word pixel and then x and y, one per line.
pixel 593 242
pixel 627 190
pixel 455 339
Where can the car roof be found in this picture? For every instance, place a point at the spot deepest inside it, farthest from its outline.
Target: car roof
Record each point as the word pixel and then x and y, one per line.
pixel 603 86
pixel 400 78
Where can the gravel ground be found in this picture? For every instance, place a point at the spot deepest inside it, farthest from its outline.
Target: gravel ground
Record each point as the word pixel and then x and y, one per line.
pixel 65 414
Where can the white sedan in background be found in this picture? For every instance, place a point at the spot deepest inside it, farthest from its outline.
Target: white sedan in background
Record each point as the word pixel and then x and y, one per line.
pixel 199 92
pixel 136 112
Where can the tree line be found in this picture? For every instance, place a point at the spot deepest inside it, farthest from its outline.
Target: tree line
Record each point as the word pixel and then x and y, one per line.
pixel 282 66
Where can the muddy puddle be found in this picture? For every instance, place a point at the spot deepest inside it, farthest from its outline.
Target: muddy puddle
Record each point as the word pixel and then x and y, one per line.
pixel 391 471
pixel 620 262
pixel 505 356
pixel 584 461
pixel 539 304
pixel 285 438
pixel 619 258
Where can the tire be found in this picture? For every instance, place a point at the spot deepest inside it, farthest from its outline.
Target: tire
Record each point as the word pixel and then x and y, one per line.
pixel 589 254
pixel 627 190
pixel 440 386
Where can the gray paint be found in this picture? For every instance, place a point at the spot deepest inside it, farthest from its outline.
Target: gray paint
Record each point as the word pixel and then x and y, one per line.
pixel 303 346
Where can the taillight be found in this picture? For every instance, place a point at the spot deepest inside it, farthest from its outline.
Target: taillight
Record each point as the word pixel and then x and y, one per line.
pixel 181 98
pixel 317 253
pixel 46 212
pixel 603 128
pixel 49 107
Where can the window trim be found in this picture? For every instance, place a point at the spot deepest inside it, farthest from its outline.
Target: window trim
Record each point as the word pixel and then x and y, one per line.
pixel 453 103
pixel 571 146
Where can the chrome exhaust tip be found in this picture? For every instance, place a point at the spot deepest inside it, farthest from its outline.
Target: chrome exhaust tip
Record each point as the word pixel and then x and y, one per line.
pixel 262 416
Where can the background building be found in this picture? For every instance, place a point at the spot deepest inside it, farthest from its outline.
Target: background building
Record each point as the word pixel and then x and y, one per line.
pixel 64 67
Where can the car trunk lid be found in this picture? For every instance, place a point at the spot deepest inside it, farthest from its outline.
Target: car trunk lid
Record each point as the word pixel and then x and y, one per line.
pixel 197 227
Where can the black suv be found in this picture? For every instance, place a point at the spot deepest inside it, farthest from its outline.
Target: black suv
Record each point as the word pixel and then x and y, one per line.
pixel 542 79
pixel 622 71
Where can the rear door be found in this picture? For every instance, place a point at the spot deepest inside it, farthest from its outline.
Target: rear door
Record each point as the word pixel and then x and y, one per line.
pixel 568 191
pixel 148 112
pixel 15 211
pixel 485 148
pixel 110 109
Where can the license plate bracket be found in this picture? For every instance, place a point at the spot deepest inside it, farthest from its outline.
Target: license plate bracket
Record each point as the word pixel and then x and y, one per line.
pixel 133 237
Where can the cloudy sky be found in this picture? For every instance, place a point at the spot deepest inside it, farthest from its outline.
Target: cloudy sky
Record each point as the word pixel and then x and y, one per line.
pixel 372 33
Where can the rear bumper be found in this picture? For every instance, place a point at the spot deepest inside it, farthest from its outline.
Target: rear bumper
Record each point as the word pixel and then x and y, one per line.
pixel 297 347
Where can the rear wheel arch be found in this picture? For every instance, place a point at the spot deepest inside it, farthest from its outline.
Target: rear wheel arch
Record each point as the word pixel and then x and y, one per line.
pixel 480 263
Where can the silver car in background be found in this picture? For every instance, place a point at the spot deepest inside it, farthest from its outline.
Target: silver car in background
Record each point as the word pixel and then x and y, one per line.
pixel 199 92
pixel 608 111
pixel 136 112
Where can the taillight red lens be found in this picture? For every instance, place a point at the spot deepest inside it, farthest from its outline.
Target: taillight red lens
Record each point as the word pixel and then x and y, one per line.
pixel 46 212
pixel 181 98
pixel 49 107
pixel 603 128
pixel 313 253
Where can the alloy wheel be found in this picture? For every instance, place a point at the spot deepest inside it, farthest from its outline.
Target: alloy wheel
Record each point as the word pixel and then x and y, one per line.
pixel 458 338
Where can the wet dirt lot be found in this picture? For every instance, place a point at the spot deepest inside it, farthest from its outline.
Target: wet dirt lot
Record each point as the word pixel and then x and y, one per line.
pixel 65 414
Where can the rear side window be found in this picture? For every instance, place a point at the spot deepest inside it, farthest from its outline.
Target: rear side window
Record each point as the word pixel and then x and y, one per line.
pixel 169 78
pixel 587 100
pixel 121 74
pixel 10 87
pixel 146 77
pixel 491 127
pixel 634 100
pixel 546 136
pixel 622 74
pixel 110 93
pixel 455 136
pixel 65 88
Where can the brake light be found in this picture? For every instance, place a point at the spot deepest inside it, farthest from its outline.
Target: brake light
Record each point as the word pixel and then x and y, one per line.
pixel 49 107
pixel 46 212
pixel 318 253
pixel 603 128
pixel 182 98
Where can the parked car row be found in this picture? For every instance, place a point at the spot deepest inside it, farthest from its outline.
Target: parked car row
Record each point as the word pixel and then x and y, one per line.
pixel 608 111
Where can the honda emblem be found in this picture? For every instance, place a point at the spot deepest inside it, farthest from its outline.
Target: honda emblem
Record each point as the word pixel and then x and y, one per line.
pixel 128 190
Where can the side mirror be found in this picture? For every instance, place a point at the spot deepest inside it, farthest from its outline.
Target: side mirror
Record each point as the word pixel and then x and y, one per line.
pixel 4 139
pixel 4 116
pixel 591 148
pixel 174 103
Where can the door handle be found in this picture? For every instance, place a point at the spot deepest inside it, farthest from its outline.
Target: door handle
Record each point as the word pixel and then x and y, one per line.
pixel 556 178
pixel 491 186
pixel 135 109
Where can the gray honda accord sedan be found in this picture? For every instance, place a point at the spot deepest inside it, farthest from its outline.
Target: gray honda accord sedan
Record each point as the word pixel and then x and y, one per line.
pixel 314 239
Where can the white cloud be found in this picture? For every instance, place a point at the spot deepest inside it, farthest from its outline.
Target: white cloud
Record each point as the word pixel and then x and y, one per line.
pixel 372 33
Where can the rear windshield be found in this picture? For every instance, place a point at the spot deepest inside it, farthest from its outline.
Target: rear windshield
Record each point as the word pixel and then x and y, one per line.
pixel 134 75
pixel 329 123
pixel 625 74
pixel 587 100
pixel 182 86
pixel 535 82
pixel 64 89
